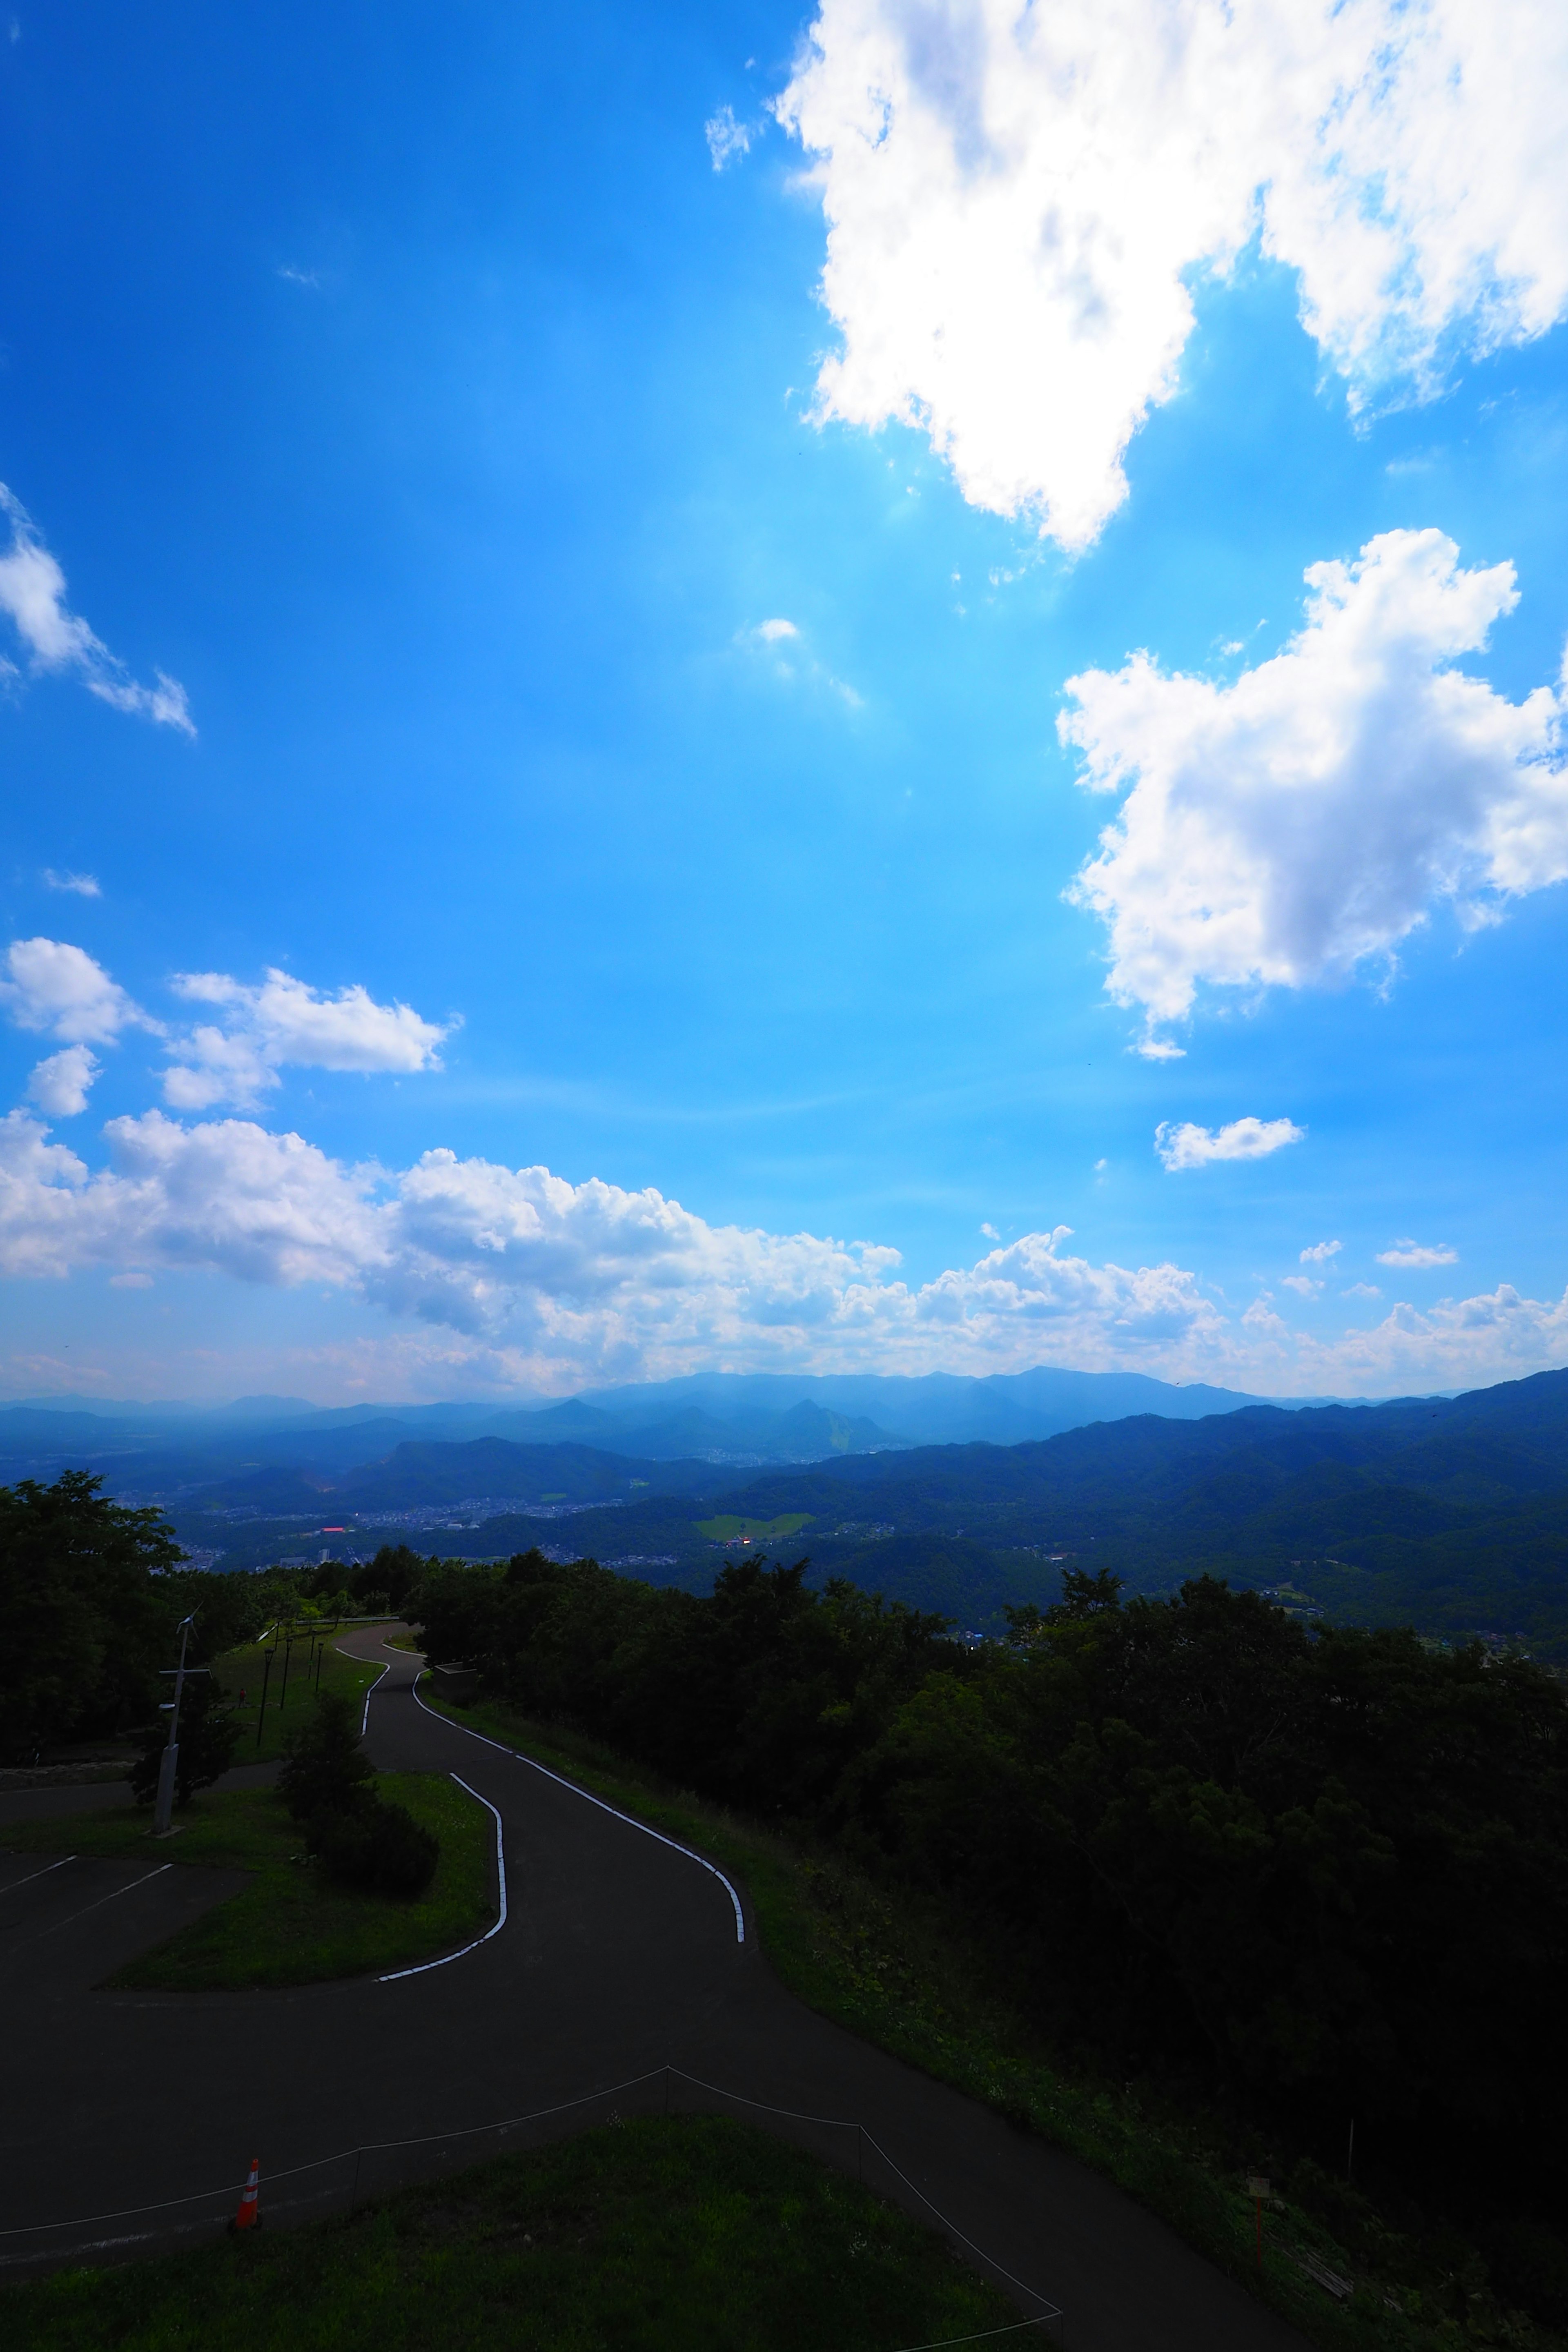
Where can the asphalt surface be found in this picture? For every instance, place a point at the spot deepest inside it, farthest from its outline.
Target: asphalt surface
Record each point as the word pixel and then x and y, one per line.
pixel 618 1958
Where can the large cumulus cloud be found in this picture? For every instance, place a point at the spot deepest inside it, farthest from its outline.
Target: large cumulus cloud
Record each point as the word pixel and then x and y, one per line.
pixel 1018 200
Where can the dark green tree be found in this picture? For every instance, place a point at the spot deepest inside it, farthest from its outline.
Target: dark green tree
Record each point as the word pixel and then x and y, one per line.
pixel 85 1623
pixel 324 1771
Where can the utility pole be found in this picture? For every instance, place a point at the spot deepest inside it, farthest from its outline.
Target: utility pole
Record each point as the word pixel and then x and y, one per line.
pixel 171 1756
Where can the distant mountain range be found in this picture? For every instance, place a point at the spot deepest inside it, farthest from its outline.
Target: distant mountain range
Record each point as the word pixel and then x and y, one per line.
pixel 739 1420
pixel 1450 1513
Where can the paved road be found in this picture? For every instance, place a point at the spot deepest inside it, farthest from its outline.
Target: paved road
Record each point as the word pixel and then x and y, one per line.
pixel 619 1956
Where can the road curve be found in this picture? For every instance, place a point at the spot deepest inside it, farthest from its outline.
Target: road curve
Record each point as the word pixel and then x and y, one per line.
pixel 619 1956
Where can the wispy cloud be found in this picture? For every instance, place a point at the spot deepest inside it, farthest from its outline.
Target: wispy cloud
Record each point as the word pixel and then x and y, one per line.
pixel 85 885
pixel 783 645
pixel 728 139
pixel 1245 1139
pixel 1320 1252
pixel 33 594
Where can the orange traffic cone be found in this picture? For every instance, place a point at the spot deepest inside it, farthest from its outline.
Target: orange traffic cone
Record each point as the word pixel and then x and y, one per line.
pixel 249 2214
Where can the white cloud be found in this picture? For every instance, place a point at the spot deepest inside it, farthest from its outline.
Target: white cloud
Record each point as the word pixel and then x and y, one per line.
pixel 1017 201
pixel 1303 1285
pixel 1362 1290
pixel 1244 1139
pixel 59 1085
pixel 1320 1252
pixel 33 592
pixel 517 1277
pixel 60 988
pixel 727 140
pixel 991 1232
pixel 585 1277
pixel 85 885
pixel 1413 1254
pixel 284 1021
pixel 790 658
pixel 1285 827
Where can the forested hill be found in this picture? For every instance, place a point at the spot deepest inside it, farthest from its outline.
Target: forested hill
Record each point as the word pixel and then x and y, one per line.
pixel 1450 1513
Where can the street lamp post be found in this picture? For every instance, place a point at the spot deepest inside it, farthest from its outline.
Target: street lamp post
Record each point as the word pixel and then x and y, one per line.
pixel 170 1757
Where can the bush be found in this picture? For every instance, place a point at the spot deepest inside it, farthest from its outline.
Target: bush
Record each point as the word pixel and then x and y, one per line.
pixel 375 1847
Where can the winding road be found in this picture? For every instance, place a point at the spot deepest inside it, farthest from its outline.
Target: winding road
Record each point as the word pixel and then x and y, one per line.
pixel 620 1956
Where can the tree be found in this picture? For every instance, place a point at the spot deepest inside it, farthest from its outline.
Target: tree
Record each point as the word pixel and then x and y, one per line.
pixel 83 1624
pixel 324 1771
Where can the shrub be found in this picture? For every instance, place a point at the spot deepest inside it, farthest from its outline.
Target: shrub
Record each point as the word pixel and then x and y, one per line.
pixel 375 1847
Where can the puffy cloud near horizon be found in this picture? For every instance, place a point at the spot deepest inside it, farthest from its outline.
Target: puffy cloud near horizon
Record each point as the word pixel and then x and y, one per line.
pixel 33 594
pixel 526 1279
pixel 585 1275
pixel 1018 202
pixel 1285 828
pixel 1244 1139
pixel 260 1029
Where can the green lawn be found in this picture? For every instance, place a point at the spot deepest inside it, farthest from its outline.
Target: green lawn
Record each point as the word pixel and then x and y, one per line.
pixel 726 1528
pixel 291 1925
pixel 245 1670
pixel 694 2234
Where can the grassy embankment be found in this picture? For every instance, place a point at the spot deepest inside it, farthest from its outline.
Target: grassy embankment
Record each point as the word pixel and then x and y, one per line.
pixel 694 2232
pixel 897 1971
pixel 246 1670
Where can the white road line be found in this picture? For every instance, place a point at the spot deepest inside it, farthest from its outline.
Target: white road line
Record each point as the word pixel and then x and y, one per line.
pixel 588 1798
pixel 426 1965
pixel 18 1883
pixel 370 1693
pixel 113 1898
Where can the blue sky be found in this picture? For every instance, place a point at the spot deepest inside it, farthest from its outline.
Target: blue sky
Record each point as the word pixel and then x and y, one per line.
pixel 442 574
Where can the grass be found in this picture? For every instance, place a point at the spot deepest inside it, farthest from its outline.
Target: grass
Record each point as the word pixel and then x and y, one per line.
pixel 694 2234
pixel 291 1926
pixel 728 1529
pixel 245 1670
pixel 898 1973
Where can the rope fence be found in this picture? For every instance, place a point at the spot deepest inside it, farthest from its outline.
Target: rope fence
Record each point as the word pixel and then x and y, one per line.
pixel 373 2167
